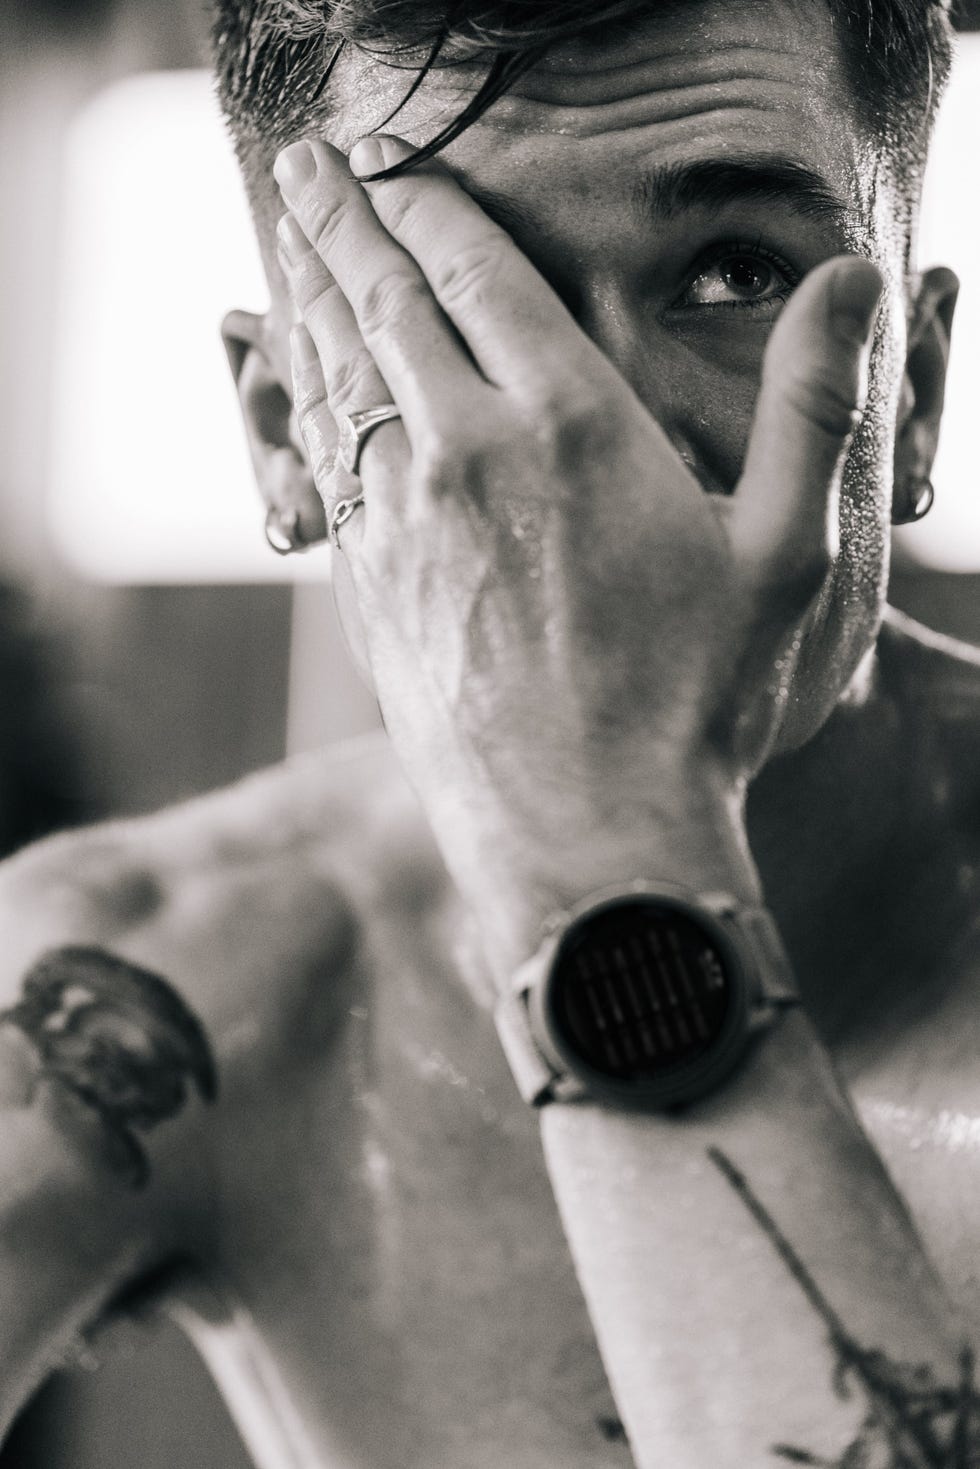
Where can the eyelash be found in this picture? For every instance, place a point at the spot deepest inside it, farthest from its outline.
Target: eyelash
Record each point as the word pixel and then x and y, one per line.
pixel 724 251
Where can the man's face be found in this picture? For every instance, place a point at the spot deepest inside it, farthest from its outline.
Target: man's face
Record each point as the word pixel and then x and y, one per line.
pixel 673 188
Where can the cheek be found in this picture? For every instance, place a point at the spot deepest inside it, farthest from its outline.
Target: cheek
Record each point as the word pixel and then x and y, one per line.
pixel 705 395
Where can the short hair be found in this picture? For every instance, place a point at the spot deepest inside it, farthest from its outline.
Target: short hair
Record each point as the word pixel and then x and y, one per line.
pixel 273 60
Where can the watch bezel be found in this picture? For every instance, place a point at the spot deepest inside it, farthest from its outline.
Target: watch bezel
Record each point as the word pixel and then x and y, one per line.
pixel 681 1082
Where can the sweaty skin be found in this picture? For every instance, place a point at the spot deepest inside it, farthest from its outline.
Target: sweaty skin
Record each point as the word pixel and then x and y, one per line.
pixel 565 179
pixel 382 1253
pixel 383 1275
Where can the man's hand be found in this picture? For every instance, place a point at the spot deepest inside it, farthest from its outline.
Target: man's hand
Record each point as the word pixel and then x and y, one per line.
pixel 566 634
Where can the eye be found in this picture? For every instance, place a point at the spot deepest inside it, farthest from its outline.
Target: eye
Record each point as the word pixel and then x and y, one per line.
pixel 740 276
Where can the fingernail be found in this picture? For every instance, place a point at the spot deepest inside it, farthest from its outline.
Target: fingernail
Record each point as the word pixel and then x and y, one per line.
pixel 291 238
pixel 855 292
pixel 367 156
pixel 302 347
pixel 294 168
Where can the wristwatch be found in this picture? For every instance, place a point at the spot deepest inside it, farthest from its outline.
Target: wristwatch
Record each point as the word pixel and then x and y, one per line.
pixel 648 994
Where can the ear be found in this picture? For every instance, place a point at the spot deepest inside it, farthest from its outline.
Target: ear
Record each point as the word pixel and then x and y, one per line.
pixel 282 470
pixel 924 384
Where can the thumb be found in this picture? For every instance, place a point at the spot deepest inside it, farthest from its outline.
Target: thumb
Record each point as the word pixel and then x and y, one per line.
pixel 814 384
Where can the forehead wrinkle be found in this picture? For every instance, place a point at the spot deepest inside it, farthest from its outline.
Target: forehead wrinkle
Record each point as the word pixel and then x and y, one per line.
pixel 665 190
pixel 705 73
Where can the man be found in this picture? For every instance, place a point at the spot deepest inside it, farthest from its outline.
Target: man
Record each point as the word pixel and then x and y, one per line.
pixel 598 598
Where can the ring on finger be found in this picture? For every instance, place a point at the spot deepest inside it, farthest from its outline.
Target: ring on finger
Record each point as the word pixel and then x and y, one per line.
pixel 355 430
pixel 342 512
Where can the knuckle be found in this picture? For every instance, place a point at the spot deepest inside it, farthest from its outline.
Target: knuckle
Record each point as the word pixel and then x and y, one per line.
pixel 322 461
pixel 308 393
pixel 454 465
pixel 326 217
pixel 311 285
pixel 318 439
pixel 308 389
pixel 579 428
pixel 398 206
pixel 349 382
pixel 469 275
pixel 389 301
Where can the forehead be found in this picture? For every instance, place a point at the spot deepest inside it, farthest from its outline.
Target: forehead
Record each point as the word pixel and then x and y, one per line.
pixel 705 80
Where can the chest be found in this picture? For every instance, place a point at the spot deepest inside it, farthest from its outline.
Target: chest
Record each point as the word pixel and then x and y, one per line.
pixel 392 1235
pixel 391 1232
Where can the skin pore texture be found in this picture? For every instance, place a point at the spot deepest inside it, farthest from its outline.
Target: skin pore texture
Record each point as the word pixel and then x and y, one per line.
pixel 561 164
pixel 910 1418
pixel 638 267
pixel 383 1282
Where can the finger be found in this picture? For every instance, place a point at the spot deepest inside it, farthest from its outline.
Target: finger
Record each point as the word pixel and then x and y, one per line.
pixel 313 416
pixel 316 425
pixel 334 374
pixel 515 325
pixel 407 334
pixel 814 383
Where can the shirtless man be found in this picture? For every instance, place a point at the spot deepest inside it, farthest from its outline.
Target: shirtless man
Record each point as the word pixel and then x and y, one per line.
pixel 258 1069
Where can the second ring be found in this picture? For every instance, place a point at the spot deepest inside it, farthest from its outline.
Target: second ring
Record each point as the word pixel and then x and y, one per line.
pixel 356 428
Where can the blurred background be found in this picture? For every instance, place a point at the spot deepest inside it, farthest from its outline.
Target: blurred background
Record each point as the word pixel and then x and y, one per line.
pixel 151 646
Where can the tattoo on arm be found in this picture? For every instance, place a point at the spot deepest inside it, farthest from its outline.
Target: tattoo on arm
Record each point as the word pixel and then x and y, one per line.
pixel 118 1040
pixel 911 1421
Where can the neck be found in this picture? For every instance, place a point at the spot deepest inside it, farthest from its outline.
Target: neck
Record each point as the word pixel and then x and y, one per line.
pixel 857 842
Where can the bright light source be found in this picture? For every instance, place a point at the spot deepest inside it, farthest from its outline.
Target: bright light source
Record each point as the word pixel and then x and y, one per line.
pixel 949 539
pixel 150 479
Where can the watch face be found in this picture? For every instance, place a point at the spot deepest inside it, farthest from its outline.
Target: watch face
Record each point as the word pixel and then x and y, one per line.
pixel 639 988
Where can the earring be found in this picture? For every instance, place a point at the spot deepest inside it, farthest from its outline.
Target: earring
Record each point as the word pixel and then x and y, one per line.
pixel 922 495
pixel 283 532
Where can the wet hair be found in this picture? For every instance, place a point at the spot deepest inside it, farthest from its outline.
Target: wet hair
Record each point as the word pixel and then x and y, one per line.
pixel 273 61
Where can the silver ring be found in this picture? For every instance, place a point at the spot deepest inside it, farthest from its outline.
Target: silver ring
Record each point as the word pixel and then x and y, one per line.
pixel 342 512
pixel 356 428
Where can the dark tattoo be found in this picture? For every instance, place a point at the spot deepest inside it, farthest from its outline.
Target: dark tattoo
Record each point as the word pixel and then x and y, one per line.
pixel 117 1039
pixel 912 1421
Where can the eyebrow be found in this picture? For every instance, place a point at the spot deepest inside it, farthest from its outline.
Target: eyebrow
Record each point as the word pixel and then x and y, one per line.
pixel 667 190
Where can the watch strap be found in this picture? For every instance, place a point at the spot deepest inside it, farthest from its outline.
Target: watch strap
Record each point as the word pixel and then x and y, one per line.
pixel 537 1080
pixel 757 927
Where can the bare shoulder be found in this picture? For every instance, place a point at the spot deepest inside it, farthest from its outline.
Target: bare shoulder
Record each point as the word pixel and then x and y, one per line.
pixel 242 899
pixel 938 663
pixel 939 677
pixel 169 983
pixel 159 979
pixel 313 801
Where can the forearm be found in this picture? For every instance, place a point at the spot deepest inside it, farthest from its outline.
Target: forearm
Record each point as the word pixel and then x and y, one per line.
pixel 742 1260
pixel 70 1238
pixel 735 1259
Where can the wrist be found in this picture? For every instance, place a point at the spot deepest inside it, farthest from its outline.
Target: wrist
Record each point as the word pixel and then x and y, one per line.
pixel 518 876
